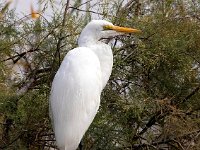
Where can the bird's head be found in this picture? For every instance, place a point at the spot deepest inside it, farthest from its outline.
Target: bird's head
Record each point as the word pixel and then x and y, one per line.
pixel 98 29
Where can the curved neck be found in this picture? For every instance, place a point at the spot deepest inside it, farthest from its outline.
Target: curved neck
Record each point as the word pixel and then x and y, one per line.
pixel 102 50
pixel 86 39
pixel 105 55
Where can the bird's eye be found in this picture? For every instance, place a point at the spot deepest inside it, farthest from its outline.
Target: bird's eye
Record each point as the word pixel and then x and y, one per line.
pixel 107 27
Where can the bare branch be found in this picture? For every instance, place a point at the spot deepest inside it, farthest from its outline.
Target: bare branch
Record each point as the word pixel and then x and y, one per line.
pixel 87 11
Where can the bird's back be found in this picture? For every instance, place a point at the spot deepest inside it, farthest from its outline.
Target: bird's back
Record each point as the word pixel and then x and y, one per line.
pixel 75 96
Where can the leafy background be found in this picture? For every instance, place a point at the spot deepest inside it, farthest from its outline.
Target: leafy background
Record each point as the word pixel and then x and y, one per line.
pixel 152 98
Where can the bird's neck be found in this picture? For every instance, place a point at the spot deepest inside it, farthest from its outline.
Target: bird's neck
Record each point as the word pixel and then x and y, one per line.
pixel 105 55
pixel 87 40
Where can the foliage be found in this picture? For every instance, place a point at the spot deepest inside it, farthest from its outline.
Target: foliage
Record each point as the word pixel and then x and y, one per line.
pixel 152 98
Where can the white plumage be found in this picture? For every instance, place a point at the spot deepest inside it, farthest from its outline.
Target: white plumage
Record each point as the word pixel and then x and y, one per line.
pixel 77 85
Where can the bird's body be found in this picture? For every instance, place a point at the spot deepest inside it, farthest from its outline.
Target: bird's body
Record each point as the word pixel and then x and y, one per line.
pixel 80 102
pixel 77 86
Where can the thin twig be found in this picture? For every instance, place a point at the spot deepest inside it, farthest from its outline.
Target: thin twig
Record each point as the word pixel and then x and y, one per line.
pixel 191 94
pixel 14 140
pixel 87 11
pixel 57 53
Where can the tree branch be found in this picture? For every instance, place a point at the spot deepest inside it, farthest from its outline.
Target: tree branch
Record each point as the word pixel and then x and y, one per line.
pixel 60 38
pixel 191 94
pixel 87 11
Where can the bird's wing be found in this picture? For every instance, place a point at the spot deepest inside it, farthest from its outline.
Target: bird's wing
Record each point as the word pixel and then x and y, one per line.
pixel 75 95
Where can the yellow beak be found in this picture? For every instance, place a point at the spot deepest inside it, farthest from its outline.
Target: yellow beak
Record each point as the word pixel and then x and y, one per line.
pixel 121 29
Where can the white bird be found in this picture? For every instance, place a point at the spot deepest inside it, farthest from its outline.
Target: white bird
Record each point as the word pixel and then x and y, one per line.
pixel 78 83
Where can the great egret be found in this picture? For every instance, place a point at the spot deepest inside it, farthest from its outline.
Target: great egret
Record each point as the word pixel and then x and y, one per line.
pixel 78 83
